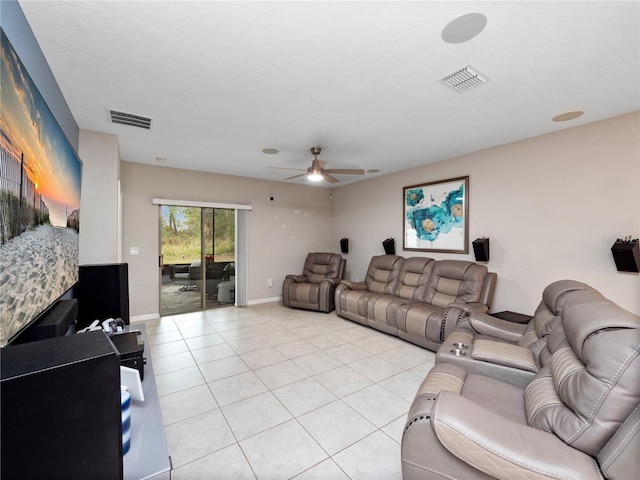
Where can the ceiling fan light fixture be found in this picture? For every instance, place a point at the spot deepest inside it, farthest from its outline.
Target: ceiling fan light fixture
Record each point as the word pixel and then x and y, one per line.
pixel 317 173
pixel 314 177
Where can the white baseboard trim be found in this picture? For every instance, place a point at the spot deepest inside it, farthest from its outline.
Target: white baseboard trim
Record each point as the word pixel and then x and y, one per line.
pixel 144 318
pixel 265 300
pixel 156 316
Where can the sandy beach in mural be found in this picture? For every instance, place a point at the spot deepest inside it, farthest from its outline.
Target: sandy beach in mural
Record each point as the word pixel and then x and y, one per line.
pixel 35 267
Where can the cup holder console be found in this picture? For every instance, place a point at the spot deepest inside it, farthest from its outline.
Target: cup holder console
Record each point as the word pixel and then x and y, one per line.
pixel 456 352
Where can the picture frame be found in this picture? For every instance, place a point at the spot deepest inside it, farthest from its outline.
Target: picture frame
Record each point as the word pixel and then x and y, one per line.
pixel 436 216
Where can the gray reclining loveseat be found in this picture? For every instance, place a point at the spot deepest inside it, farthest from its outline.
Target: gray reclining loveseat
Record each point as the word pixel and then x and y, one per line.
pixel 578 418
pixel 504 350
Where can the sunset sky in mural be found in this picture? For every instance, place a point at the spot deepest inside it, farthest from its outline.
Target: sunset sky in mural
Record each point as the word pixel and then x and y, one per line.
pixel 29 128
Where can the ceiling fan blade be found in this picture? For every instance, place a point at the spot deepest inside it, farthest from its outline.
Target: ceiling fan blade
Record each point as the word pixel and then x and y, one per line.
pixel 346 171
pixel 296 176
pixel 287 168
pixel 329 178
pixel 322 163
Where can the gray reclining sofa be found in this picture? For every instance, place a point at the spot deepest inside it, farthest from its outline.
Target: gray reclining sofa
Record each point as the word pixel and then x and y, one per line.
pixel 418 299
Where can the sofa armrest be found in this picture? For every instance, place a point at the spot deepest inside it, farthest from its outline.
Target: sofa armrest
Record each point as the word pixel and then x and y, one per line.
pixel 326 294
pixel 500 447
pixel 495 327
pixel 343 288
pixel 296 278
pixel 456 313
pixel 506 354
pixel 288 281
pixel 471 307
pixel 354 285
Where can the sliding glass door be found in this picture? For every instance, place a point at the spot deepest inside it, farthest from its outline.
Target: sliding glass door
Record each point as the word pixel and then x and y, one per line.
pixel 197 257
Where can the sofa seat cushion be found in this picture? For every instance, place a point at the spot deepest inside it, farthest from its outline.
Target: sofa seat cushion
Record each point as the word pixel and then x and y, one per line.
pixel 304 292
pixel 421 319
pixel 384 308
pixel 356 301
pixel 496 396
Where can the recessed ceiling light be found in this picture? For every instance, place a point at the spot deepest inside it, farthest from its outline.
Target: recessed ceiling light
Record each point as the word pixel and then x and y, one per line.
pixel 464 28
pixel 373 170
pixel 563 117
pixel 270 151
pixel 161 160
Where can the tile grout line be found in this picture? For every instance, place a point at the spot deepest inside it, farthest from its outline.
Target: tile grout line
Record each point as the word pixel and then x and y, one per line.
pixel 260 336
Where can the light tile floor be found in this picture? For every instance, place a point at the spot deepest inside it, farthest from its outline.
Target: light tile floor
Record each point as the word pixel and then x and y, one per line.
pixel 267 392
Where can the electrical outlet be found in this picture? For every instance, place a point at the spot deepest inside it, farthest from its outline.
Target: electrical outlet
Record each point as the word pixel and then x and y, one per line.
pixel 270 282
pixel 134 251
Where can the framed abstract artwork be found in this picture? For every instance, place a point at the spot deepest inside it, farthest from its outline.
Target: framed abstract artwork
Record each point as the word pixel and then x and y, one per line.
pixel 436 216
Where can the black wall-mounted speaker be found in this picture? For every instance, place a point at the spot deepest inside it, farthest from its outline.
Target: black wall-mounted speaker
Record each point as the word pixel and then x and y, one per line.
pixel 481 249
pixel 626 254
pixel 102 292
pixel 344 245
pixel 389 246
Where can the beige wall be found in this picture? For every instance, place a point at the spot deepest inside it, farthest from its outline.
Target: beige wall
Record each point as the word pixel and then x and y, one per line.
pixel 281 232
pixel 99 212
pixel 552 206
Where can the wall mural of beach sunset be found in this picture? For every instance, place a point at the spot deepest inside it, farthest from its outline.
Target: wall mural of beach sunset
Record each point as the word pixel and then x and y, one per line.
pixel 40 177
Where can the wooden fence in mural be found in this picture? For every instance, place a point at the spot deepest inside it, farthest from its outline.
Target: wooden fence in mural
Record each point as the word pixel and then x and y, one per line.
pixel 21 206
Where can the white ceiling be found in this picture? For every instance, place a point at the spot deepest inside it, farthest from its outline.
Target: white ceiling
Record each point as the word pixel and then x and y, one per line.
pixel 223 80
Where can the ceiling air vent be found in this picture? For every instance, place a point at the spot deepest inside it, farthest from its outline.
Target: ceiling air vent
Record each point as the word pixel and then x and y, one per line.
pixel 464 79
pixel 131 119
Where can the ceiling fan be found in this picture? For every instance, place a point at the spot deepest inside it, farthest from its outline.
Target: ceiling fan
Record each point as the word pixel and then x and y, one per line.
pixel 316 172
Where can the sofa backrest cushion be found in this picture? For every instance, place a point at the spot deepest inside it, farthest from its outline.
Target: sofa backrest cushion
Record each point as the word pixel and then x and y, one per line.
pixel 590 385
pixel 320 266
pixel 382 271
pixel 454 281
pixel 413 277
pixel 549 311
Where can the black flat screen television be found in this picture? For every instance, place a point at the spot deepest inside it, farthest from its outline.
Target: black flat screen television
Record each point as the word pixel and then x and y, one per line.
pixel 40 178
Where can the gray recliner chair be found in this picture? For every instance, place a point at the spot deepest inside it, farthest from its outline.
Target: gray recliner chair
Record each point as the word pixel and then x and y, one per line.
pixel 579 418
pixel 315 288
